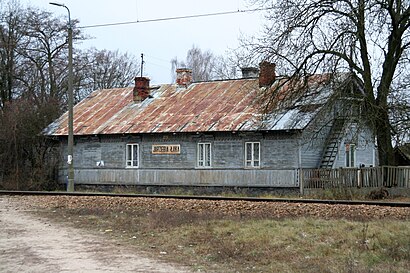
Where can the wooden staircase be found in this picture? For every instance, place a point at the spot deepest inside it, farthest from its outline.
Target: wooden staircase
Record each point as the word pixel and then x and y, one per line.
pixel 332 144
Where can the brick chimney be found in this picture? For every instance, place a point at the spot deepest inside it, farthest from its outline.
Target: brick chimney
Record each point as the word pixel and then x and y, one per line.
pixel 141 89
pixel 267 74
pixel 184 77
pixel 249 72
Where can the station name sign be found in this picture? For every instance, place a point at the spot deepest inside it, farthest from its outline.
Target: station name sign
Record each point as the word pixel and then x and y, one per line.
pixel 166 149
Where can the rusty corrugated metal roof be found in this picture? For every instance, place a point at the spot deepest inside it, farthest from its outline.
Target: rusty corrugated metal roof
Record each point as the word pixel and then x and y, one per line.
pixel 229 105
pixel 215 106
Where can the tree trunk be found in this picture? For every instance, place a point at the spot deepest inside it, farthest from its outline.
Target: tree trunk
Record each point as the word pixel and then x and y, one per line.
pixel 384 141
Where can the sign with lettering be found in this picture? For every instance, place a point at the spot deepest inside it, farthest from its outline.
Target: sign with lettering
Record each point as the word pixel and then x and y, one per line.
pixel 166 149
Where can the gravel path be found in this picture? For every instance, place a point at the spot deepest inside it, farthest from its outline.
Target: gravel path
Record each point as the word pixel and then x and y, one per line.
pixel 32 244
pixel 229 208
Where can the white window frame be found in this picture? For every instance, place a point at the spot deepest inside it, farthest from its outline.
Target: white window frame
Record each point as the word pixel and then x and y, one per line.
pixel 255 160
pixel 129 162
pixel 202 155
pixel 350 155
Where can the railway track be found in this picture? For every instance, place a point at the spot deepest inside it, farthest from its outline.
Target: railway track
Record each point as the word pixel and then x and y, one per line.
pixel 215 198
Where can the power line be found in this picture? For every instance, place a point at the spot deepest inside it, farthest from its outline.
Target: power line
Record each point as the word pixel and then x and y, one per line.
pixel 177 17
pixel 150 64
pixel 159 59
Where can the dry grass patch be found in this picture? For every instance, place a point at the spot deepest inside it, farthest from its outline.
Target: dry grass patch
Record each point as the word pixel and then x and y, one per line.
pixel 208 240
pixel 210 243
pixel 296 245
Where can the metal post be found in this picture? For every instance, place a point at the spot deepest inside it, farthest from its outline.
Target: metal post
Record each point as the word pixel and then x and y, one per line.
pixel 70 149
pixel 301 182
pixel 70 185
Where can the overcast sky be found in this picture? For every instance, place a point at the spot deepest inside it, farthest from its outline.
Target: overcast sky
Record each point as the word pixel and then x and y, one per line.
pixel 159 41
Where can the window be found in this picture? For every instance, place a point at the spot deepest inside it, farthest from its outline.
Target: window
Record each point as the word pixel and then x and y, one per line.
pixel 252 154
pixel 350 155
pixel 204 154
pixel 132 155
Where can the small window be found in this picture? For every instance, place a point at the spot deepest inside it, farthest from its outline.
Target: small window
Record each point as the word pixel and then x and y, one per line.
pixel 204 154
pixel 350 155
pixel 252 154
pixel 132 155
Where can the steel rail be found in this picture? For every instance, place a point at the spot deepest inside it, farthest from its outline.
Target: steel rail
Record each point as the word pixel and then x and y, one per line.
pixel 216 198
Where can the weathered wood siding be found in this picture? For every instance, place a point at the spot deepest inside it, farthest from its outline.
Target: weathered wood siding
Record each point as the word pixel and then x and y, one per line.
pixel 365 147
pixel 198 177
pixel 282 154
pixel 279 160
pixel 313 142
pixel 368 177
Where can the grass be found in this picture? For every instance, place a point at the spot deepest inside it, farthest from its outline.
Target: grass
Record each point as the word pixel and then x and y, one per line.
pixel 209 242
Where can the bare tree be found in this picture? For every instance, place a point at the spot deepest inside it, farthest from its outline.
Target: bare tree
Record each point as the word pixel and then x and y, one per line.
pixel 226 67
pixel 103 69
pixel 34 83
pixel 45 49
pixel 369 38
pixel 205 65
pixel 31 51
pixel 11 27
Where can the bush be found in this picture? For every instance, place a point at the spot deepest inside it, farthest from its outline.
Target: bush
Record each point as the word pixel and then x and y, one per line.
pixel 28 159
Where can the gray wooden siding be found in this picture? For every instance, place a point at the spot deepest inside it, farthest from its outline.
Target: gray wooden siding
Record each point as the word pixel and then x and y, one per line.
pixel 276 153
pixel 195 177
pixel 227 154
pixel 186 159
pixel 312 145
pixel 365 147
pixel 281 153
pixel 113 154
pixel 279 159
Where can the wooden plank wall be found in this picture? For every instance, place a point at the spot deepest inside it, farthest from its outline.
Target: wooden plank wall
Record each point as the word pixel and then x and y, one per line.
pixel 188 177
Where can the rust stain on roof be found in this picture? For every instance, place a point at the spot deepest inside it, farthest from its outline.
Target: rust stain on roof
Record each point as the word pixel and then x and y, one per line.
pixel 216 106
pixel 229 105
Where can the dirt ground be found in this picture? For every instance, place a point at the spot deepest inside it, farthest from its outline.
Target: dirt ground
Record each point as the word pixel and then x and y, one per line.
pixel 29 243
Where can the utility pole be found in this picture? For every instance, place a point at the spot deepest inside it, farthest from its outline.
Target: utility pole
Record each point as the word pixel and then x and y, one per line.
pixel 70 148
pixel 142 63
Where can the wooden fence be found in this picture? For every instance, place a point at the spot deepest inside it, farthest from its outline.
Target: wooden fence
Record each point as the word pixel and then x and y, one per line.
pixel 384 176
